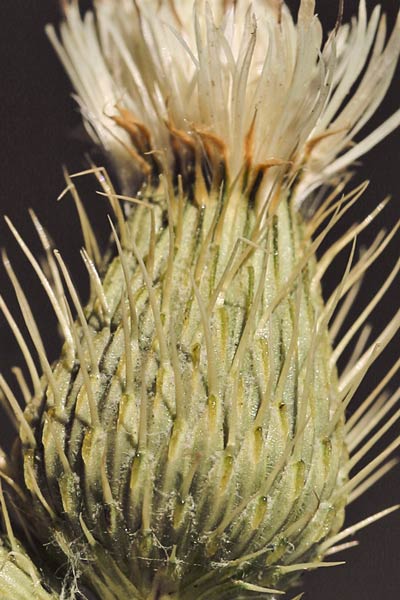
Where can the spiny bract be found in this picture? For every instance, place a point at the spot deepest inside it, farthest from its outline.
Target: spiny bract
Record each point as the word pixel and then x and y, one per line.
pixel 191 441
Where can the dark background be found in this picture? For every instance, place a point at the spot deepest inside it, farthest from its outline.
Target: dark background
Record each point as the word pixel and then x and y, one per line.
pixel 40 132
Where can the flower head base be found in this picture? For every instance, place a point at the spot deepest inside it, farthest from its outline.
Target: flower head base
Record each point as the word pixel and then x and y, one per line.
pixel 191 441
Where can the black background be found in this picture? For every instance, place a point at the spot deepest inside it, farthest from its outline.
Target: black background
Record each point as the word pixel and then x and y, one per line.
pixel 40 132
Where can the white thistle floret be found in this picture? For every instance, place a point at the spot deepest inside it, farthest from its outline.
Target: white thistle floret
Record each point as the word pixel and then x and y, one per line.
pixel 241 77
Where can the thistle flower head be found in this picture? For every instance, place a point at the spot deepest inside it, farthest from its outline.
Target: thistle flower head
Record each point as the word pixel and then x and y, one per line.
pixel 191 442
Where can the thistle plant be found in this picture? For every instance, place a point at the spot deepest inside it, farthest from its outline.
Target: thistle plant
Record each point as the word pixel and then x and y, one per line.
pixel 191 442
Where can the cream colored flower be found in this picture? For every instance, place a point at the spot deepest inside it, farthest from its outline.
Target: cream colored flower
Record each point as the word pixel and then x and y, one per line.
pixel 191 441
pixel 238 82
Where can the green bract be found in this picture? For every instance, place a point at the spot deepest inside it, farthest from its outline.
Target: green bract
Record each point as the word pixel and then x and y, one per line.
pixel 19 577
